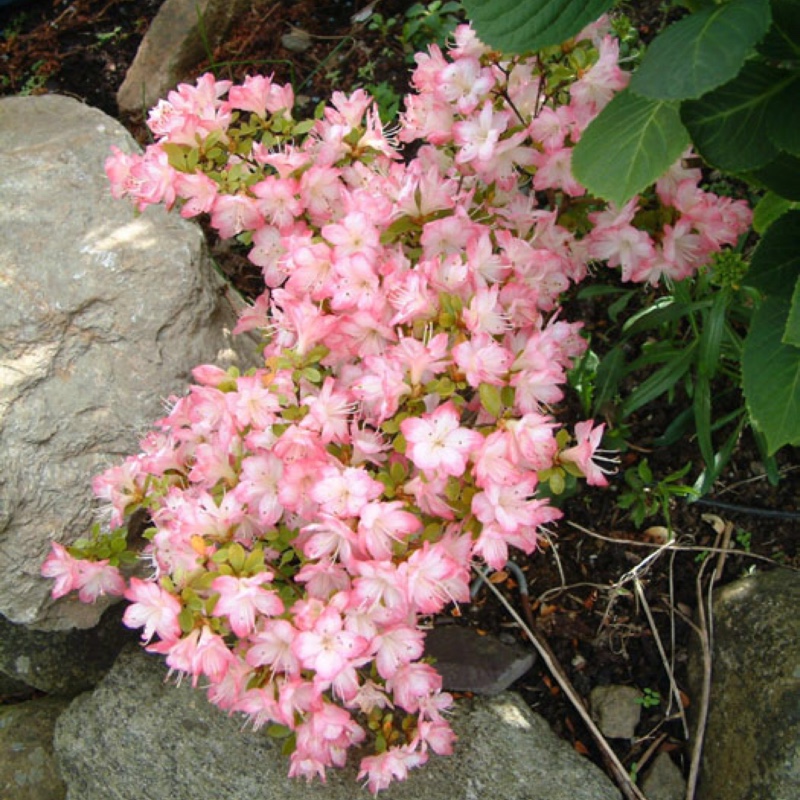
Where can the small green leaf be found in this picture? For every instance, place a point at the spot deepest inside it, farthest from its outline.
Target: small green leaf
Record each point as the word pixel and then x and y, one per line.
pixel 776 260
pixel 771 376
pixel 236 556
pixel 518 26
pixel 628 146
pixel 490 399
pixel 730 125
pixel 701 51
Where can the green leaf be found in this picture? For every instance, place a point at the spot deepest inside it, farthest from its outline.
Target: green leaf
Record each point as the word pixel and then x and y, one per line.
pixel 610 373
pixel 782 41
pixel 701 51
pixel 730 126
pixel 628 146
pixel 490 399
pixel 701 404
pixel 771 376
pixel 783 115
pixel 712 335
pixel 782 176
pixel 517 26
pixel 770 207
pixel 776 260
pixel 661 381
pixel 791 334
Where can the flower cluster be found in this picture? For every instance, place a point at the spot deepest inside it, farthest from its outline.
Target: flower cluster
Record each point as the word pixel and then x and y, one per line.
pixel 307 514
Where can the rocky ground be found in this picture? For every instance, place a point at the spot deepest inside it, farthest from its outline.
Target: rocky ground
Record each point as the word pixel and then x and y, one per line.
pixel 582 597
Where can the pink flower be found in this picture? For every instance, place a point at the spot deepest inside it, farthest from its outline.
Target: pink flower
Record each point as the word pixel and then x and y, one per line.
pixel 272 645
pixel 393 764
pixel 381 524
pixel 154 609
pixel 437 443
pixel 396 647
pixel 413 682
pixel 98 578
pixel 240 599
pixel 435 578
pixel 64 568
pixel 585 450
pixel 510 506
pixel 477 137
pixel 328 648
pixel 483 360
pixel 344 492
pixel 234 213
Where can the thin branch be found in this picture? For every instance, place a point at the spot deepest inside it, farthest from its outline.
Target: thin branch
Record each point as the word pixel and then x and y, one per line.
pixel 705 624
pixel 672 684
pixel 674 545
pixel 623 779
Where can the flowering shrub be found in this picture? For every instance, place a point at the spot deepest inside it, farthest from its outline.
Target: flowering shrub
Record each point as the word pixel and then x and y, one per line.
pixel 306 514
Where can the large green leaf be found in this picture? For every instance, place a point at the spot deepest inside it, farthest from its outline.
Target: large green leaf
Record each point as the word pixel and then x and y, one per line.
pixel 783 116
pixel 730 125
pixel 775 265
pixel 791 334
pixel 630 144
pixel 782 41
pixel 771 376
pixel 701 51
pixel 517 26
pixel 781 175
pixel 770 207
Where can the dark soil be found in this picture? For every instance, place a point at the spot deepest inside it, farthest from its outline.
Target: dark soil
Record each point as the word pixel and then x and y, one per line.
pixel 582 603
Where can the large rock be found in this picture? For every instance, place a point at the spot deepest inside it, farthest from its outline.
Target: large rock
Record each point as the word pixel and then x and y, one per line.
pixel 62 662
pixel 103 314
pixel 158 740
pixel 28 770
pixel 752 740
pixel 176 42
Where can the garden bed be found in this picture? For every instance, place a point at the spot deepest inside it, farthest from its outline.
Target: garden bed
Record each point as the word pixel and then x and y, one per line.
pixel 582 597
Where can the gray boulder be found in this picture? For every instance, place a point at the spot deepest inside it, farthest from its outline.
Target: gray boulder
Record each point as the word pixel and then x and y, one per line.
pixel 159 740
pixel 103 314
pixel 28 770
pixel 62 662
pixel 174 45
pixel 752 740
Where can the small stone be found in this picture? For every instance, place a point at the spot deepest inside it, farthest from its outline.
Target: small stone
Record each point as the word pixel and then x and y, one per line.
pixel 616 710
pixel 664 780
pixel 469 662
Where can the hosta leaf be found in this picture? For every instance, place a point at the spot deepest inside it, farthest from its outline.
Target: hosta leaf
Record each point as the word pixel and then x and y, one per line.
pixel 730 125
pixel 701 51
pixel 628 146
pixel 775 265
pixel 771 375
pixel 517 26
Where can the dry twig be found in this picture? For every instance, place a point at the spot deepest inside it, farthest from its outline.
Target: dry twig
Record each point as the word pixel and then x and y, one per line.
pixel 621 776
